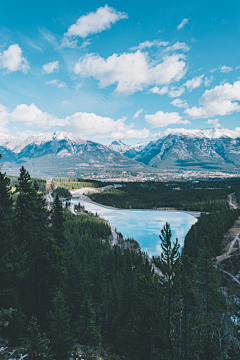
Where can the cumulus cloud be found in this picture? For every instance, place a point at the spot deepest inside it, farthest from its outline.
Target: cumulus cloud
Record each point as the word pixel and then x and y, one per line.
pixel 182 24
pixel 162 91
pixel 56 82
pixel 162 119
pixel 103 127
pixel 214 122
pixel 172 91
pixel 137 113
pixel 179 103
pixel 79 123
pixel 94 22
pixel 221 100
pixel 50 67
pixel 131 71
pixel 12 59
pixel 178 46
pixel 33 117
pixel 148 44
pixel 194 83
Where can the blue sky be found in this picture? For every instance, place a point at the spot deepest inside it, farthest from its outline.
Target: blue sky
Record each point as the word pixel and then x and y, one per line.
pixel 124 70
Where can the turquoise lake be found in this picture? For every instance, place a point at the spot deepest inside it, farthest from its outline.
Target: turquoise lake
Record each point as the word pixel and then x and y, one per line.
pixel 143 225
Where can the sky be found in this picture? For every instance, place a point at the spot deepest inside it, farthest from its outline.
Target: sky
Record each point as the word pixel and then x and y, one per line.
pixel 128 70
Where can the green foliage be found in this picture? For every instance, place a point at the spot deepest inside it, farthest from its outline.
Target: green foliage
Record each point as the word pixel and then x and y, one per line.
pixel 211 226
pixel 76 183
pixel 188 196
pixel 35 343
pixel 61 192
pixel 41 182
pixel 58 324
pixel 62 268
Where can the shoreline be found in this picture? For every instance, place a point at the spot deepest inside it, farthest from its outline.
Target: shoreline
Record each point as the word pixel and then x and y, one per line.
pixel 195 214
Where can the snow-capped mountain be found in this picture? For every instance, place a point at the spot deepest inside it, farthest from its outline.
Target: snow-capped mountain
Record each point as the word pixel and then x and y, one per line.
pixel 216 148
pixel 199 149
pixel 60 145
pixel 127 150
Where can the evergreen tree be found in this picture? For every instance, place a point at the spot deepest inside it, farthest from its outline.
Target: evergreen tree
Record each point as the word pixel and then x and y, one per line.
pixel 87 331
pixel 168 264
pixel 35 343
pixel 58 324
pixel 211 308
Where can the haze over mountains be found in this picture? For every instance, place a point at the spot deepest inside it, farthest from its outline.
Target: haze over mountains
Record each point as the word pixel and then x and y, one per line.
pixel 199 149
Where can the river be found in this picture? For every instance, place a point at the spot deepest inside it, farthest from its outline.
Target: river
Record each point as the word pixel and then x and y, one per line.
pixel 143 225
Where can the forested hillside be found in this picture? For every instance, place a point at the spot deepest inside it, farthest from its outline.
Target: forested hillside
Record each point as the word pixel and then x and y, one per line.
pixel 196 196
pixel 64 290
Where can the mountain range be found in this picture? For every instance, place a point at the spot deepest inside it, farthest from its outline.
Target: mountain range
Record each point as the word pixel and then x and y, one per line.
pixel 215 148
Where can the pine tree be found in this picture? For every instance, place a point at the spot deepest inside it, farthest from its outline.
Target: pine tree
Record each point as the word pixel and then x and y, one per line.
pixel 58 324
pixel 87 331
pixel 168 264
pixel 36 343
pixel 12 261
pixel 211 308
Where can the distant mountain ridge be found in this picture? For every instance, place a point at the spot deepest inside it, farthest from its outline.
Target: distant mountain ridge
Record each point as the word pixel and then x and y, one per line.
pixel 211 148
pixel 180 149
pixel 59 149
pixel 127 150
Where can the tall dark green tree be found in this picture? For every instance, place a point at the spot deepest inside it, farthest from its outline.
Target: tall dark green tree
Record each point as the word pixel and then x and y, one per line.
pixel 58 324
pixel 168 264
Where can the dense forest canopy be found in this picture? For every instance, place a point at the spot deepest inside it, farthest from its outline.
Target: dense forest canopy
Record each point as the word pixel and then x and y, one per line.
pixel 65 290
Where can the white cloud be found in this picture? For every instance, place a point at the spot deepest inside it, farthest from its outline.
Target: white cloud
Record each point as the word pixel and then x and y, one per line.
pixel 130 134
pixel 207 80
pixel 221 100
pixel 94 22
pixel 4 118
pixel 50 67
pixel 149 44
pixel 176 92
pixel 237 67
pixel 131 71
pixel 161 119
pixel 137 113
pixel 179 103
pixel 26 133
pixel 172 91
pixel 225 69
pixel 182 24
pixel 57 83
pixel 178 46
pixel 33 117
pixel 12 59
pixel 162 91
pixel 214 122
pixel 103 127
pixel 194 83
pixel 78 123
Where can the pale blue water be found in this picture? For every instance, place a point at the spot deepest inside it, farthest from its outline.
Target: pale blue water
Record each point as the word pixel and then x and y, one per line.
pixel 144 225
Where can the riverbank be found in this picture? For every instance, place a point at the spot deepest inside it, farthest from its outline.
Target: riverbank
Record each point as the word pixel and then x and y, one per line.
pixel 82 196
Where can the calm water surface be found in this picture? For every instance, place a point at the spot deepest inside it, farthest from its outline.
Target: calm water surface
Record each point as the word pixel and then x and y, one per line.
pixel 144 225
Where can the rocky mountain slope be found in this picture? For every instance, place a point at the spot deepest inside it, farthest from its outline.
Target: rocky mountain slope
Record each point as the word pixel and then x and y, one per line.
pixel 211 148
pixel 59 150
pixel 127 150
